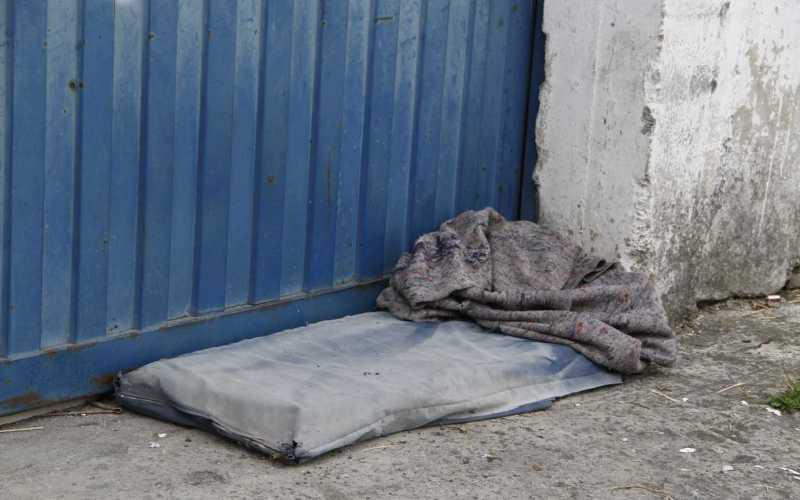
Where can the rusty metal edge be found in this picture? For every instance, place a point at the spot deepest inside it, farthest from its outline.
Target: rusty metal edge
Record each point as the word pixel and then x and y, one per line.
pixel 43 410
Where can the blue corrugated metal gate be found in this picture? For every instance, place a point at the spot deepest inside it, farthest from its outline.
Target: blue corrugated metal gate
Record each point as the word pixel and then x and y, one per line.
pixel 182 174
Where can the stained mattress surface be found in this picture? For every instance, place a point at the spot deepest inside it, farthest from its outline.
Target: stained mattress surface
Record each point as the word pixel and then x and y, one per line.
pixel 303 392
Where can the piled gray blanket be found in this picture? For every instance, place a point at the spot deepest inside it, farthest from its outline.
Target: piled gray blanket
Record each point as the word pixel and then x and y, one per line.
pixel 521 279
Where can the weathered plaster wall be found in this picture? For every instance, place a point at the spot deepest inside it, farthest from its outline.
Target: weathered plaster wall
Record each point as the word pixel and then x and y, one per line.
pixel 669 139
pixel 591 149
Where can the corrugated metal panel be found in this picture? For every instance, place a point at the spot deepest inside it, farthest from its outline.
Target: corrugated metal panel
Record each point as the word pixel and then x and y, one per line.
pixel 165 159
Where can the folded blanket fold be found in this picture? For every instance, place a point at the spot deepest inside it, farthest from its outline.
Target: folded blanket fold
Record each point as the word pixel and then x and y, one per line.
pixel 524 280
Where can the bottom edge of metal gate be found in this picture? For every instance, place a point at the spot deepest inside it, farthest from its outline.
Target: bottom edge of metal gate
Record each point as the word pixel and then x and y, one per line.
pixel 87 369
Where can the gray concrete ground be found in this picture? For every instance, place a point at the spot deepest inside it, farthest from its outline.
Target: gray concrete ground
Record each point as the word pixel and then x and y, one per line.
pixel 618 443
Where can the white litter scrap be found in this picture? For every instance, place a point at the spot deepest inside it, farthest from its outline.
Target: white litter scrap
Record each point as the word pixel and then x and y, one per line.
pixel 774 298
pixel 153 444
pixel 727 468
pixel 162 435
pixel 687 450
pixel 774 411
pixel 745 403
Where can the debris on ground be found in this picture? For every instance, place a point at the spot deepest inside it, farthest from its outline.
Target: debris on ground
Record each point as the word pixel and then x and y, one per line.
pixel 793 472
pixel 83 413
pixel 652 489
pixel 659 393
pixel 687 450
pixel 769 303
pixel 106 406
pixel 728 388
pixel 21 429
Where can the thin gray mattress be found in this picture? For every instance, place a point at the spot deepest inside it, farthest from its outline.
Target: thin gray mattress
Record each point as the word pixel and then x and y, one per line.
pixel 303 392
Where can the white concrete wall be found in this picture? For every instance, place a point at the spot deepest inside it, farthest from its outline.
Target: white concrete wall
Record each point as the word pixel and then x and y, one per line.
pixel 668 139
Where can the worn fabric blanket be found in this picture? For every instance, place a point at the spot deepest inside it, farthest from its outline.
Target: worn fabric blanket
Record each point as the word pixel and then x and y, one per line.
pixel 521 279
